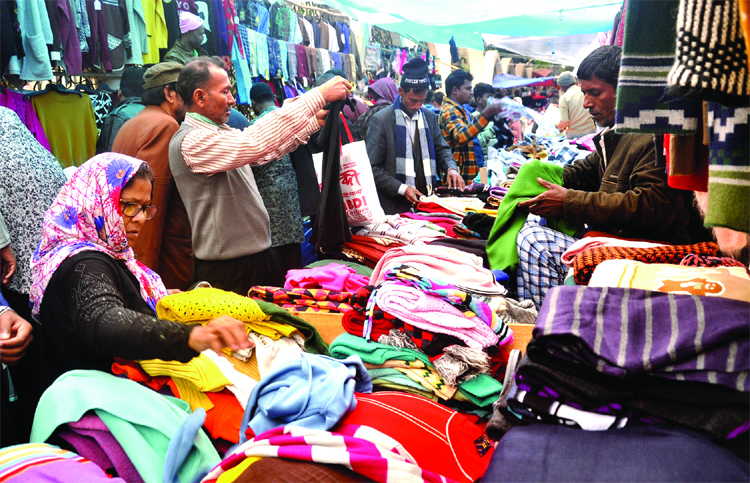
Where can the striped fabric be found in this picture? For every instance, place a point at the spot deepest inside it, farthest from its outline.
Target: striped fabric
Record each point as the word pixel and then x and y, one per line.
pixel 44 462
pixel 586 262
pixel 626 332
pixel 213 148
pixel 362 449
pixel 648 54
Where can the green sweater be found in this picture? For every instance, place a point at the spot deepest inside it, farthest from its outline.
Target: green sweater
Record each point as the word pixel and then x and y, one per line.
pixel 501 244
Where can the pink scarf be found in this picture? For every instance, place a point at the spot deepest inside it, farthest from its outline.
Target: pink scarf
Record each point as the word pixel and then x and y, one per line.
pixel 86 216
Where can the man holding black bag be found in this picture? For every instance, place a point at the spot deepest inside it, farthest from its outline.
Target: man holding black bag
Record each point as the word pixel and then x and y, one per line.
pixel 406 148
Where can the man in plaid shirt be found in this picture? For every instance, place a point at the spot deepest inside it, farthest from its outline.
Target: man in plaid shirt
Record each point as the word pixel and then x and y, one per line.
pixel 459 131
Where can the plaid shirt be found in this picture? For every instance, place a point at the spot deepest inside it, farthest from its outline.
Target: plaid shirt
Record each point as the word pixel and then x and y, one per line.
pixel 461 135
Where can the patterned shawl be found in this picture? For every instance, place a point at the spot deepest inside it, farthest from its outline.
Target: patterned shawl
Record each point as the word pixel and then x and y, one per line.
pixel 86 216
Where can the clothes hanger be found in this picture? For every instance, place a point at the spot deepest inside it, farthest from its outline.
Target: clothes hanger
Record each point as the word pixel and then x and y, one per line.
pixel 86 89
pixel 50 88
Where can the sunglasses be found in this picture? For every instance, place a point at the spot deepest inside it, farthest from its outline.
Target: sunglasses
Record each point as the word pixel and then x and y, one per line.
pixel 132 209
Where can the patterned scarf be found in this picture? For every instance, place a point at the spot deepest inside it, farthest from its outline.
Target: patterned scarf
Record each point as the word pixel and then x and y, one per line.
pixel 86 216
pixel 405 171
pixel 710 63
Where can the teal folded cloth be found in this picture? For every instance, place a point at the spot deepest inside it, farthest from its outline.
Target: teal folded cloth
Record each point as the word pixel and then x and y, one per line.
pixel 483 390
pixel 141 420
pixel 501 244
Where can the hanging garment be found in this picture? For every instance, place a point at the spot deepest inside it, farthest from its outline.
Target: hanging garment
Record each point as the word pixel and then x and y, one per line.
pixel 98 52
pixel 705 30
pixel 156 30
pixel 116 20
pixel 24 109
pixel 136 40
pixel 10 36
pixel 291 67
pixel 283 59
pixel 68 120
pixel 36 36
pixel 729 168
pixel 262 55
pixel 247 37
pixel 65 28
pixel 642 106
pixel 332 226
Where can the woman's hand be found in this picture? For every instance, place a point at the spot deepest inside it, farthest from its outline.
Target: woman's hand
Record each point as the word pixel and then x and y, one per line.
pixel 223 331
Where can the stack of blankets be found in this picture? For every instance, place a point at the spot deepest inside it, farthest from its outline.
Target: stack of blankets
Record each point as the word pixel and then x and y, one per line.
pixel 609 357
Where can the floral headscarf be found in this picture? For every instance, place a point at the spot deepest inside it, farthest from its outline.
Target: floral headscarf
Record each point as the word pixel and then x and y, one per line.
pixel 86 216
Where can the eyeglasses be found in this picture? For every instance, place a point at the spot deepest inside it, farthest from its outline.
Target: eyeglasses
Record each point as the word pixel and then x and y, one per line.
pixel 132 209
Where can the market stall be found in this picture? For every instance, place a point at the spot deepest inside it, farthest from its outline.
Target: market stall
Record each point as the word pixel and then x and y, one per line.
pixel 406 348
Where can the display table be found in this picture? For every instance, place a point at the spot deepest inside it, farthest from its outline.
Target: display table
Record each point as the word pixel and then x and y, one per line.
pixel 329 326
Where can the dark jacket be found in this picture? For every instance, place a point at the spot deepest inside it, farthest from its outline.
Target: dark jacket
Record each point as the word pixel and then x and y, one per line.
pixel 629 198
pixel 381 149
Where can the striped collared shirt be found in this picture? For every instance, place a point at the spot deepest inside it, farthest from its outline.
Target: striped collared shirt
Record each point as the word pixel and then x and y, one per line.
pixel 214 148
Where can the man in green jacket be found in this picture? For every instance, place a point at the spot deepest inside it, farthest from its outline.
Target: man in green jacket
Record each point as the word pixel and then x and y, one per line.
pixel 619 189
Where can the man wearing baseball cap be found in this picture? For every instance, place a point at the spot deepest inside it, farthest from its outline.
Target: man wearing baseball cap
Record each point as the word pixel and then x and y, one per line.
pixel 405 145
pixel 575 120
pixel 191 39
pixel 164 244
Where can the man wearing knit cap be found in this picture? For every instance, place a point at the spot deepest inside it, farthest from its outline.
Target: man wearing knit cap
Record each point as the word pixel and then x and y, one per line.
pixel 574 118
pixel 164 244
pixel 189 45
pixel 405 146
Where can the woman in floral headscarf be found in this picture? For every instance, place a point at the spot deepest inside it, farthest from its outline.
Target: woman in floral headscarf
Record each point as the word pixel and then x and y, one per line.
pixel 93 299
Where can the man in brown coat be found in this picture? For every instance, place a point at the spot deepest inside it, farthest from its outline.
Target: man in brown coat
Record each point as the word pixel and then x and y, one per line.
pixel 164 244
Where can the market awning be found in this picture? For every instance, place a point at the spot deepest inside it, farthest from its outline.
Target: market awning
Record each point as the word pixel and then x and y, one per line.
pixel 439 20
pixel 509 81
